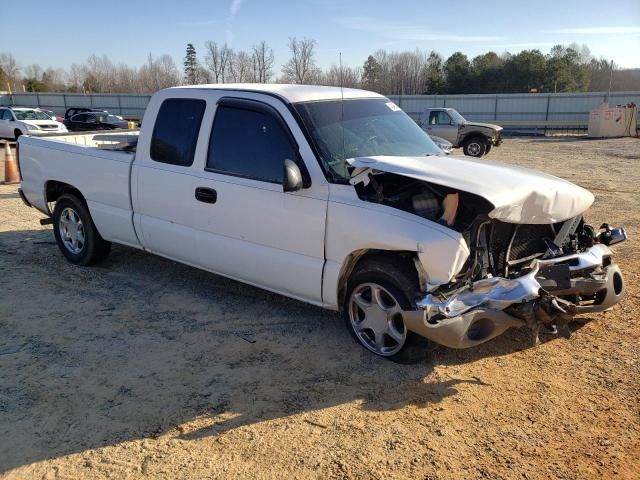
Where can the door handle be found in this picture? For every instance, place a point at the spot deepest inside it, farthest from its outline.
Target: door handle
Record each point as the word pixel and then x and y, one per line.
pixel 206 195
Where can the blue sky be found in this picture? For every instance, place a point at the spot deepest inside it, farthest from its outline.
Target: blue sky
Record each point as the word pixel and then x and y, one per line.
pixel 58 34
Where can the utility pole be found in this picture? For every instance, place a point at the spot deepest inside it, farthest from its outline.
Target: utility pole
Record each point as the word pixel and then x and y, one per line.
pixel 610 81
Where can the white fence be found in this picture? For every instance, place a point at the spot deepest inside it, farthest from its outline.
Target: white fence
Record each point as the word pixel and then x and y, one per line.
pixel 514 111
pixel 128 105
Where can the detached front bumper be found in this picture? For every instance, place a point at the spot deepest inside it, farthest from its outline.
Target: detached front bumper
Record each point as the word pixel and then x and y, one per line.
pixel 555 290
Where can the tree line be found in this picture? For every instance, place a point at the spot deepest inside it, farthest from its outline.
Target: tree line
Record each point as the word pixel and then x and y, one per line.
pixel 563 69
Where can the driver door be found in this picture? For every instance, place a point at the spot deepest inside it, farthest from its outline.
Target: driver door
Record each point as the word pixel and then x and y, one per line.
pixel 441 125
pixel 246 226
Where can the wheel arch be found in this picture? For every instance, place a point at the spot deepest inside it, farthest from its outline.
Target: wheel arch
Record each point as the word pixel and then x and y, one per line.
pixel 407 259
pixel 54 189
pixel 474 134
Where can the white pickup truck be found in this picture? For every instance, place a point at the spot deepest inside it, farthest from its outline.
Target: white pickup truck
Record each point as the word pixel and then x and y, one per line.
pixel 336 198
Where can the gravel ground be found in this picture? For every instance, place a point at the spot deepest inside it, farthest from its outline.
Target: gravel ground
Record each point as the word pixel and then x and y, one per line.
pixel 144 368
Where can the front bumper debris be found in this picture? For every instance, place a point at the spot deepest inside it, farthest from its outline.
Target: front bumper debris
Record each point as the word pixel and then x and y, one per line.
pixel 552 293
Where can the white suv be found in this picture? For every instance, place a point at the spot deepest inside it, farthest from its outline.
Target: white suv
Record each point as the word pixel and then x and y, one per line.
pixel 19 121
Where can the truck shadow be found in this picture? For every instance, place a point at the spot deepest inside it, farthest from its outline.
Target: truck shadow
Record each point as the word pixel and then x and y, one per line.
pixel 140 346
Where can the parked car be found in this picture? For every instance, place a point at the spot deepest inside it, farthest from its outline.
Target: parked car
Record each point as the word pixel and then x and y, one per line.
pixel 444 145
pixel 475 138
pixel 336 198
pixel 16 121
pixel 94 121
pixel 70 112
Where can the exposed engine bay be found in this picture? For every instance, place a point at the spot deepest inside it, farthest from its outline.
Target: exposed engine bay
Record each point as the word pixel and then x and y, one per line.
pixel 540 274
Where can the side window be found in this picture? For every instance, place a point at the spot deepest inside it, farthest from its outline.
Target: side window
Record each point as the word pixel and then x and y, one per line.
pixel 432 118
pixel 248 143
pixel 443 118
pixel 6 115
pixel 175 133
pixel 82 117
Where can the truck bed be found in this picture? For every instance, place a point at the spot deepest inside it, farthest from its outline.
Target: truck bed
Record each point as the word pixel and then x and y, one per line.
pixel 81 160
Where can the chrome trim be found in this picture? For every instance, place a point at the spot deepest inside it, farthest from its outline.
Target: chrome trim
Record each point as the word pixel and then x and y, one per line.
pixel 495 293
pixel 475 313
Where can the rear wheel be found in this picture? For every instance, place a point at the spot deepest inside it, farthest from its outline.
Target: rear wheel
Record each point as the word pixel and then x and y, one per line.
pixel 475 146
pixel 377 293
pixel 75 233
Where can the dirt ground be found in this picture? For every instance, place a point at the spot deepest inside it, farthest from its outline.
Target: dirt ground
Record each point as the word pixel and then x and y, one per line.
pixel 144 368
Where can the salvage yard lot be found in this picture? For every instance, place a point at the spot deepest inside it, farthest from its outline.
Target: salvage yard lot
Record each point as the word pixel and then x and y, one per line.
pixel 141 367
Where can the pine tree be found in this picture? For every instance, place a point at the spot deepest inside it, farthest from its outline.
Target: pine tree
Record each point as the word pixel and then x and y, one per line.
pixel 190 65
pixel 370 73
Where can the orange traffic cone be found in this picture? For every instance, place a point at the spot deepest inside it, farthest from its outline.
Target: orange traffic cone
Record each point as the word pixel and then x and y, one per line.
pixel 11 174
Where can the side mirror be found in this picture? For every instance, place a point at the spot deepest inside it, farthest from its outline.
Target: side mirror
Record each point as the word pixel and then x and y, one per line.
pixel 292 178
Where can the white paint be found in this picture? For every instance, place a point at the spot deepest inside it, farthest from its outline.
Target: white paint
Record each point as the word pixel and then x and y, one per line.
pixel 519 195
pixel 292 243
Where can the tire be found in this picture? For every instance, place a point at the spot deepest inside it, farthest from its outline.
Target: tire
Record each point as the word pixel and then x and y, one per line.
pixel 17 133
pixel 76 234
pixel 397 290
pixel 475 146
pixel 488 149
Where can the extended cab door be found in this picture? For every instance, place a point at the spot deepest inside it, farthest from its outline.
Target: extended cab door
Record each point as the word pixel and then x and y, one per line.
pixel 164 178
pixel 246 226
pixel 441 124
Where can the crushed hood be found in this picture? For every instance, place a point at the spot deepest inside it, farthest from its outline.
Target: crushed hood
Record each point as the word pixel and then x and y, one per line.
pixel 519 195
pixel 490 126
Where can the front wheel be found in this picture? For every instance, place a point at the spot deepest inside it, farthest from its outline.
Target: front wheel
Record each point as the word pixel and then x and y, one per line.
pixel 17 133
pixel 75 233
pixel 475 147
pixel 378 291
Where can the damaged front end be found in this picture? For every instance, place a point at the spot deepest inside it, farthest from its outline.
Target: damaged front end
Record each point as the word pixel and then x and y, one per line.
pixel 541 289
pixel 532 260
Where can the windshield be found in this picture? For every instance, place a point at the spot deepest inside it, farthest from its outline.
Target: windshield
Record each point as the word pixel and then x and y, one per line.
pixel 457 118
pixel 361 128
pixel 31 115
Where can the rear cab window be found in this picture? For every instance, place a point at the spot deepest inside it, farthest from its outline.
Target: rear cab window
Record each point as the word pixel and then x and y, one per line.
pixel 175 133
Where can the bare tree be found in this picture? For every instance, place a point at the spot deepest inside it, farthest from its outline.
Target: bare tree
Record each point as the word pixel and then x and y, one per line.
pixel 203 75
pixel 54 79
pixel 243 68
pixel 263 60
pixel 168 71
pixel 158 74
pixel 11 70
pixel 33 71
pixel 301 67
pixel 218 60
pixel 100 74
pixel 75 77
pixel 125 79
pixel 348 77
